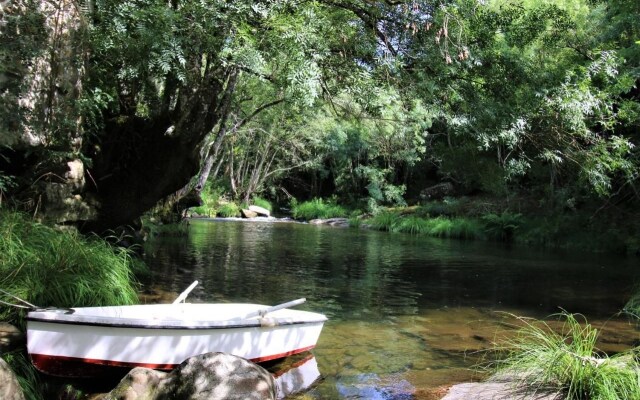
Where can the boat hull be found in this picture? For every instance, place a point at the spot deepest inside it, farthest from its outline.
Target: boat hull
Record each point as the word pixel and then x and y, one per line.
pixel 72 345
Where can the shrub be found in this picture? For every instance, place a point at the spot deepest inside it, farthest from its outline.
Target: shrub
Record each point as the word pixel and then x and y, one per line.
pixel 502 226
pixel 210 197
pixel 229 210
pixel 317 208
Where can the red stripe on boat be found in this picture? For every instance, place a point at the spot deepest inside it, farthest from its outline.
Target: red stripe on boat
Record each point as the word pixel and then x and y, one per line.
pixel 75 366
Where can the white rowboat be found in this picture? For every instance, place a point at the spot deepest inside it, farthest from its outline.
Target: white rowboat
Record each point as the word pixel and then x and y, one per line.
pixel 161 336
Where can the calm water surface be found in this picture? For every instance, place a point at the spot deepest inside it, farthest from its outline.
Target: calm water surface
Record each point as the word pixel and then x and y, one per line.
pixel 407 314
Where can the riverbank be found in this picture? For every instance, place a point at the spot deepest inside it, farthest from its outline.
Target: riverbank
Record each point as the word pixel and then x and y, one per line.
pixel 521 220
pixel 580 224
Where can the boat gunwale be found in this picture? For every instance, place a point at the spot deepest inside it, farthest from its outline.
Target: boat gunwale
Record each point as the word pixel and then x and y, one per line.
pixel 58 316
pixel 162 324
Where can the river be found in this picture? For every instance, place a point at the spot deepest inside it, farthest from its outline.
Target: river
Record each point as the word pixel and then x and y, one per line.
pixel 408 315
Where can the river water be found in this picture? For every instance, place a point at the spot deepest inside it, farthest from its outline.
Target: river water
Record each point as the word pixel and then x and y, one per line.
pixel 408 315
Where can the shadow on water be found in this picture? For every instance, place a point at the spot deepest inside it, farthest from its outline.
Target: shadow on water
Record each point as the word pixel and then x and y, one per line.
pixel 408 315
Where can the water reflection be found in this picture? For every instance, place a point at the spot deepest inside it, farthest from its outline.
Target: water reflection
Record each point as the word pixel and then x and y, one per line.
pixel 295 374
pixel 407 314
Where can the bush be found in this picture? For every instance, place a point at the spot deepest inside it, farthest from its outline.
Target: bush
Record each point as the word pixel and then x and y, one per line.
pixel 317 208
pixel 229 210
pixel 210 197
pixel 568 361
pixel 60 269
pixel 502 226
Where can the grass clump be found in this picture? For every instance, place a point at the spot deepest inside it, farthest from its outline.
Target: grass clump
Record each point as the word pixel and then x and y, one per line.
pixel 568 361
pixel 229 210
pixel 317 208
pixel 384 221
pixel 60 269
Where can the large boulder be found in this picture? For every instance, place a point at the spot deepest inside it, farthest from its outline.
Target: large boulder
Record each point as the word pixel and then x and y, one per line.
pixel 9 387
pixel 260 211
pixel 208 376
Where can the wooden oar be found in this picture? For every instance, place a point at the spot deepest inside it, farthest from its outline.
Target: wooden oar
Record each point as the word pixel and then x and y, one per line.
pixel 184 294
pixel 265 311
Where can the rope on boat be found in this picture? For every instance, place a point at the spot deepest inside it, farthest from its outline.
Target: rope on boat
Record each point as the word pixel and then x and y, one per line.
pixel 25 304
pixel 31 307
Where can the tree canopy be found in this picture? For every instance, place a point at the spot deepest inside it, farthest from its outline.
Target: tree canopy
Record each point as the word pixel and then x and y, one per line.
pixel 369 101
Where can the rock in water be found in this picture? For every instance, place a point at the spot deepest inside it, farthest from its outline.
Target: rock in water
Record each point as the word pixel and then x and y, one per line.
pixel 210 376
pixel 9 387
pixel 260 211
pixel 248 213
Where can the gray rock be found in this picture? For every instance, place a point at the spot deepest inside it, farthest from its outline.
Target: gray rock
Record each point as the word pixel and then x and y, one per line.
pixel 9 387
pixel 260 211
pixel 220 376
pixel 139 384
pixel 10 337
pixel 339 222
pixel 498 391
pixel 248 213
pixel 208 376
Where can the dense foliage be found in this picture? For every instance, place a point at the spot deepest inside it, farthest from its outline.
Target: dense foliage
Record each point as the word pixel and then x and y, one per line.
pixel 370 102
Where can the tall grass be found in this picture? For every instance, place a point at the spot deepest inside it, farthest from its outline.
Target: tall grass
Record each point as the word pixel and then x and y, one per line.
pixel 568 361
pixel 459 228
pixel 317 208
pixel 51 268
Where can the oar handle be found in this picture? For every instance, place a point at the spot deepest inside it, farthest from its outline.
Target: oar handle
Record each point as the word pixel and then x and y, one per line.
pixel 265 311
pixel 186 292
